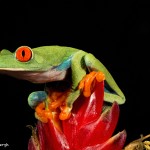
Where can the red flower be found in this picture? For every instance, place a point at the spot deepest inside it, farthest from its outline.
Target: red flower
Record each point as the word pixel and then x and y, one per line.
pixel 88 128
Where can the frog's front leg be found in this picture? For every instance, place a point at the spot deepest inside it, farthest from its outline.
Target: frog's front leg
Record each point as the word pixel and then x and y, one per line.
pixel 77 73
pixel 81 82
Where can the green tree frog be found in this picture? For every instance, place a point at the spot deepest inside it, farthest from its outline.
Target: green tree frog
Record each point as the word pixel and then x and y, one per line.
pixel 53 63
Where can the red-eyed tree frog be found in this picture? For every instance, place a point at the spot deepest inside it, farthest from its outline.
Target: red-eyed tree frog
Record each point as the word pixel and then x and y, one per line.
pixel 53 63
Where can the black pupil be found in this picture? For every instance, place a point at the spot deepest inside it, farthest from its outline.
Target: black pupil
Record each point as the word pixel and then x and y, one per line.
pixel 23 53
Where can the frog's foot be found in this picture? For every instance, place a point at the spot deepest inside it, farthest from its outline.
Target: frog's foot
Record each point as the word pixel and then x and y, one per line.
pixel 58 99
pixel 59 102
pixel 43 114
pixel 65 112
pixel 88 82
pixel 54 107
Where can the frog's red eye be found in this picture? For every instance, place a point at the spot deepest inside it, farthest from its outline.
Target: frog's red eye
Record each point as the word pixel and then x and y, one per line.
pixel 24 53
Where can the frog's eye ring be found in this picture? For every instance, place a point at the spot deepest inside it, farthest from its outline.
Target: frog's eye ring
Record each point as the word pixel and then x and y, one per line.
pixel 23 53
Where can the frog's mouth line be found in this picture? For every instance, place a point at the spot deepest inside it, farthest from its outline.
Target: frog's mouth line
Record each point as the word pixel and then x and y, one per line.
pixel 36 76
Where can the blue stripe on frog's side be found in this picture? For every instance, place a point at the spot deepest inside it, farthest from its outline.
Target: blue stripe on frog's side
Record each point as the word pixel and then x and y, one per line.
pixel 36 97
pixel 64 65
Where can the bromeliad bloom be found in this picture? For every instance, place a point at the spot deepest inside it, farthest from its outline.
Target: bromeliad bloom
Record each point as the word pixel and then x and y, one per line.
pixel 88 127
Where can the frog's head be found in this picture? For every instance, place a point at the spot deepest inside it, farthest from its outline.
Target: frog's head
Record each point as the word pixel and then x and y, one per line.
pixel 29 64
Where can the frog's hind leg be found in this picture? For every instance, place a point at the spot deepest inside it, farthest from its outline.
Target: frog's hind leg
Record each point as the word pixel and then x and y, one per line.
pixel 78 71
pixel 36 97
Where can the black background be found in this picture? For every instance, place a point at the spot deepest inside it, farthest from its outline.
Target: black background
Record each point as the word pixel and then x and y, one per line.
pixel 116 32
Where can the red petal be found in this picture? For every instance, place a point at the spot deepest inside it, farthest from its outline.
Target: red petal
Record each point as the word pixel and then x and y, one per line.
pixel 85 110
pixel 91 107
pixel 114 143
pixel 43 137
pixel 50 137
pixel 100 130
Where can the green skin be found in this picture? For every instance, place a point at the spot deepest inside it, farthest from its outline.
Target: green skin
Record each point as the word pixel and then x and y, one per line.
pixel 51 63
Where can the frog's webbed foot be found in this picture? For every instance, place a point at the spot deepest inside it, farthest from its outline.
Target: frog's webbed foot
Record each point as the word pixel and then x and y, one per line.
pixel 52 107
pixel 58 104
pixel 86 85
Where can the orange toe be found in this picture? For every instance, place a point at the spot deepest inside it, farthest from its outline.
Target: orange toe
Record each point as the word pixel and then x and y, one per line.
pixel 87 83
pixel 42 114
pixel 65 113
pixel 100 76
